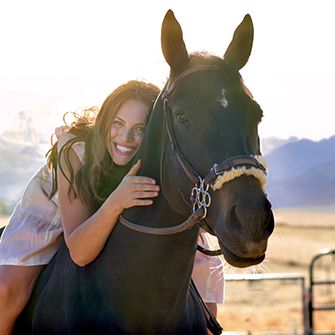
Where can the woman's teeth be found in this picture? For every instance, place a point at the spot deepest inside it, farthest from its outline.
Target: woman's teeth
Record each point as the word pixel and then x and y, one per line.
pixel 124 149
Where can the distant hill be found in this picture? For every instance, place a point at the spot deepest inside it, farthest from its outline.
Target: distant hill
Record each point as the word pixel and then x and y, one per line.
pixel 302 173
pixel 270 144
pixel 22 150
pixel 23 130
pixel 314 187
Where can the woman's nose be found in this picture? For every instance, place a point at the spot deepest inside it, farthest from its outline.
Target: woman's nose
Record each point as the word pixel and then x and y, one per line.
pixel 127 135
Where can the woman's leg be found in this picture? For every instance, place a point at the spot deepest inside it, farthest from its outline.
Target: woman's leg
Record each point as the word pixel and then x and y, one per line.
pixel 16 285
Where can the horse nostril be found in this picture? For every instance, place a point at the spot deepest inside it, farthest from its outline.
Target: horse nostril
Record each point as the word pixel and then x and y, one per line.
pixel 234 217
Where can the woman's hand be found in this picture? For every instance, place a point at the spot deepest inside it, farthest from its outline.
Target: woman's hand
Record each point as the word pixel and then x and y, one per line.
pixel 134 190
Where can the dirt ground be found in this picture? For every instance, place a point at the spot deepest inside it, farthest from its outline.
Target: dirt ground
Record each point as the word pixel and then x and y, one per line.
pixel 276 306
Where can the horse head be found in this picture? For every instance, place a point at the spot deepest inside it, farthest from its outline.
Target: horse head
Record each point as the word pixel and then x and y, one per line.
pixel 212 144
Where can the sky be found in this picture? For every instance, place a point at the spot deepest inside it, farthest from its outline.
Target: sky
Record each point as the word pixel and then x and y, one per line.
pixel 58 56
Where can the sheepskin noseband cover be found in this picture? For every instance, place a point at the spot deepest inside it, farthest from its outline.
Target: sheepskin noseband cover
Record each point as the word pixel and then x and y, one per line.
pixel 242 170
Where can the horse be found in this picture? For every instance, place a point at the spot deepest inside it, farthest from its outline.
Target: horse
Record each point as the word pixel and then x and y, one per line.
pixel 202 146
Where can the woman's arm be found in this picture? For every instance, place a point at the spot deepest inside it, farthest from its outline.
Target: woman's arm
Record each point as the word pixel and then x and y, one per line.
pixel 85 234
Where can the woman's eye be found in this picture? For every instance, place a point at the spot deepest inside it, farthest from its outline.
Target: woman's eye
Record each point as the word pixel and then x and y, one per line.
pixel 117 124
pixel 139 130
pixel 181 117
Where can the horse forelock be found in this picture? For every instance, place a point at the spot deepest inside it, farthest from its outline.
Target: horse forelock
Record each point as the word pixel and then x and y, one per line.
pixel 230 73
pixel 205 58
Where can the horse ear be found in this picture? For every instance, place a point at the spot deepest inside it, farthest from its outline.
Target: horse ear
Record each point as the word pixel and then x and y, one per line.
pixel 173 46
pixel 239 49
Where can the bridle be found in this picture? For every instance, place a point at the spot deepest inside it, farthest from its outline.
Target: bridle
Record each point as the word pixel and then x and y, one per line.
pixel 225 170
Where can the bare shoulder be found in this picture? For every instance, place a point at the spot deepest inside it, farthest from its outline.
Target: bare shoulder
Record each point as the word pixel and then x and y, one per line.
pixel 63 139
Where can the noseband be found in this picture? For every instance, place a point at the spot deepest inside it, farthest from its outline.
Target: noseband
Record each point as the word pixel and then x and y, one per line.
pixel 218 175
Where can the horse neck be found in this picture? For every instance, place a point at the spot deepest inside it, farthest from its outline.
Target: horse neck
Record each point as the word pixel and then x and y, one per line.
pixel 166 262
pixel 150 155
pixel 177 249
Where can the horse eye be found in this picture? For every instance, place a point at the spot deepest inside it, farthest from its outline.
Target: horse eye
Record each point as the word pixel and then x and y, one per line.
pixel 181 117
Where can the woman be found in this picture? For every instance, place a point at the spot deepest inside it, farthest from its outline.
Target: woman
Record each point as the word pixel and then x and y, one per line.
pixel 33 234
pixel 91 181
pixel 110 147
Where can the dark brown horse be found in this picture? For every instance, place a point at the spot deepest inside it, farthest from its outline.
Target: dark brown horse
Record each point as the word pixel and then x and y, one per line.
pixel 202 147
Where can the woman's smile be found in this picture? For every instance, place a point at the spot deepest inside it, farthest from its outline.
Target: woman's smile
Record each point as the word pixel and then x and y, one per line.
pixel 124 149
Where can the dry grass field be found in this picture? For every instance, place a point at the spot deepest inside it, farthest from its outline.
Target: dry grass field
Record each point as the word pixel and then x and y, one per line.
pixel 3 221
pixel 275 307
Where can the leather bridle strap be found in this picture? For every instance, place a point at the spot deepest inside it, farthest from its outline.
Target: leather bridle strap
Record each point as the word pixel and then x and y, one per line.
pixel 183 162
pixel 188 224
pixel 189 171
pixel 209 252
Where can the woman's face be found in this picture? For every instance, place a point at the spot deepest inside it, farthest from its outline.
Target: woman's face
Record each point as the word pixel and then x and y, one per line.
pixel 127 131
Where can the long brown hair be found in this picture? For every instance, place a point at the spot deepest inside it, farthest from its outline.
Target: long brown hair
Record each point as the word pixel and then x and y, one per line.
pixel 97 166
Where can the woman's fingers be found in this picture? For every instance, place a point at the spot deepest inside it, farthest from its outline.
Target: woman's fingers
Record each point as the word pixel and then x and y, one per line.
pixel 145 187
pixel 137 190
pixel 142 202
pixel 134 169
pixel 147 194
pixel 138 179
pixel 141 180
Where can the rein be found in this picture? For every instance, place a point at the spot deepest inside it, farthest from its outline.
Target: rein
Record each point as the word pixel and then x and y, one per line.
pixel 218 175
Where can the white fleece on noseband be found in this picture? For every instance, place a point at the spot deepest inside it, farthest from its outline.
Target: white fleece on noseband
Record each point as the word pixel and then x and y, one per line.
pixel 239 171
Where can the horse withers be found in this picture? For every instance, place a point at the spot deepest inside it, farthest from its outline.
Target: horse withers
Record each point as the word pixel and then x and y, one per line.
pixel 202 147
